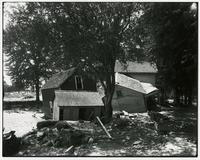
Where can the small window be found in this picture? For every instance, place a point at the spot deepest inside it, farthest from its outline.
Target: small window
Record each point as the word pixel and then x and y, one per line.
pixel 119 93
pixel 78 82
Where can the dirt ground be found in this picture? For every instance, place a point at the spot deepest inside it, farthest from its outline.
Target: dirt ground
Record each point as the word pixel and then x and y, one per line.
pixel 138 134
pixel 21 120
pixel 177 136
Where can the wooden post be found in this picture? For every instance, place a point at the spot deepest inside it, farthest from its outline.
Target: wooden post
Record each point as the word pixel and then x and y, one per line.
pixel 103 127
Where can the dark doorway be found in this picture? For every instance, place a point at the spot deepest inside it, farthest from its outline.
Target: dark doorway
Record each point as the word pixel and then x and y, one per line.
pixel 61 114
pixel 86 114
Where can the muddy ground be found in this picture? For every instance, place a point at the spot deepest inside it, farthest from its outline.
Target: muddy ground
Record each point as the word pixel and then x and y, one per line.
pixel 171 132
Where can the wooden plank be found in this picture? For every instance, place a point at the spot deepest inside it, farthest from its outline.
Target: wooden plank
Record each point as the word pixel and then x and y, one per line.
pixel 104 128
pixel 69 149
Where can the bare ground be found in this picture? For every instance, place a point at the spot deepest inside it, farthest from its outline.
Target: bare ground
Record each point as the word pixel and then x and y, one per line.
pixel 135 136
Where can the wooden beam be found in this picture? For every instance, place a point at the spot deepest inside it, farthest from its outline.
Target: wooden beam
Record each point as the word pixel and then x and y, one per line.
pixel 104 128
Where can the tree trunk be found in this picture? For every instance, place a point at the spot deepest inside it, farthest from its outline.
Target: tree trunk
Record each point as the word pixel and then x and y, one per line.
pixel 37 89
pixel 110 83
pixel 108 107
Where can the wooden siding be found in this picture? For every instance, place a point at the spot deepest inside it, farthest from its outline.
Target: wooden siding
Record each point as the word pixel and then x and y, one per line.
pixel 72 112
pixel 47 95
pixel 130 101
pixel 89 84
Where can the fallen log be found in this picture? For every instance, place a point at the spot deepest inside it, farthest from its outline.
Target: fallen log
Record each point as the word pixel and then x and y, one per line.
pixel 47 123
pixel 104 128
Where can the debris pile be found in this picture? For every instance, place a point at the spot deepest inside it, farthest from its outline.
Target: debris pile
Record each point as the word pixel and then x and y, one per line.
pixel 137 133
pixel 60 134
pixel 124 119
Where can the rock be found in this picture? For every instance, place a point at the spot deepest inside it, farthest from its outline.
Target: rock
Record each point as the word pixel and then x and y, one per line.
pixel 47 123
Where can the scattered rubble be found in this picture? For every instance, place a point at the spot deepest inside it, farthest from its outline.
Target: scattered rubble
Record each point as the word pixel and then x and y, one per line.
pixel 139 134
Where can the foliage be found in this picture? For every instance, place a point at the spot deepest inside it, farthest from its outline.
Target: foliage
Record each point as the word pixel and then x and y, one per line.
pixel 172 43
pixel 26 43
pixel 95 35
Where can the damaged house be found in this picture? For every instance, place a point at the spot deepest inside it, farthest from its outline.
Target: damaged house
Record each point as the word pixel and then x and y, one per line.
pixel 132 95
pixel 71 95
pixel 134 89
pixel 143 72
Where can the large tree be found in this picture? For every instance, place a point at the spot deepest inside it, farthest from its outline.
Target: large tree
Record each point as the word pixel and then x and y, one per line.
pixel 95 35
pixel 172 41
pixel 27 45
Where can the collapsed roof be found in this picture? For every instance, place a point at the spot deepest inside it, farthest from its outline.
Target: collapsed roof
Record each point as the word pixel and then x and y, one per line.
pixel 125 81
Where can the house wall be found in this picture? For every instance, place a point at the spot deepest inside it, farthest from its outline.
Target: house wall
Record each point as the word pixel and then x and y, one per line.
pixel 47 96
pixel 88 83
pixel 130 101
pixel 143 77
pixel 72 112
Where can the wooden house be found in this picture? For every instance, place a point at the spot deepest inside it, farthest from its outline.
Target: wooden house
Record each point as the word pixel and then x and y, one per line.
pixel 144 71
pixel 72 82
pixel 131 95
pixel 76 105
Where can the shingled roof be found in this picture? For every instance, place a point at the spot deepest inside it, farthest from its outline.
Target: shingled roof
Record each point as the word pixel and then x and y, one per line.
pixel 74 98
pixel 135 67
pixel 58 79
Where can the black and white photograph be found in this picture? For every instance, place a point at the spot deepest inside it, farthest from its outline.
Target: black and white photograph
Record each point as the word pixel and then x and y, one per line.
pixel 99 79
